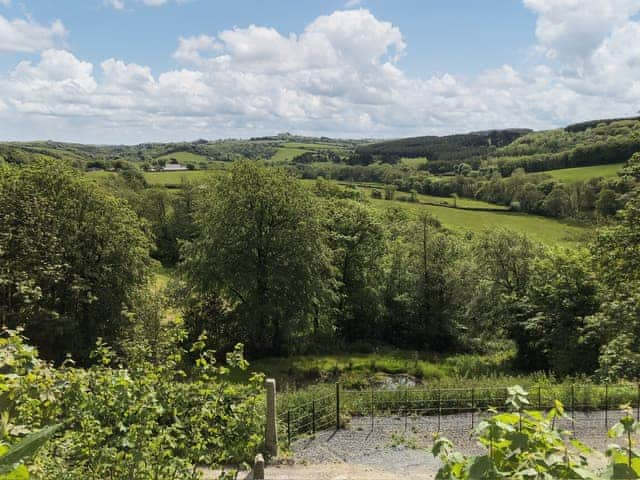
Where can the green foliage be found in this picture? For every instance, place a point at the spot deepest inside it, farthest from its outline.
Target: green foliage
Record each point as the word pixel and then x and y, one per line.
pixel 12 457
pixel 562 291
pixel 355 238
pixel 260 249
pixel 520 443
pixel 133 420
pixel 70 257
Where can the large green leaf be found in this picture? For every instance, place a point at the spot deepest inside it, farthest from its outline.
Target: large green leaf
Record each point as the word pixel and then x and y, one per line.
pixel 25 448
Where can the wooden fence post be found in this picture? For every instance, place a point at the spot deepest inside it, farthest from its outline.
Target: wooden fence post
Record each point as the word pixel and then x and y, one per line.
pixel 271 437
pixel 337 406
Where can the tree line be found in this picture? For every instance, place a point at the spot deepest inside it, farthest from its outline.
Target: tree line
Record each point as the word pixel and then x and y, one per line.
pixel 283 268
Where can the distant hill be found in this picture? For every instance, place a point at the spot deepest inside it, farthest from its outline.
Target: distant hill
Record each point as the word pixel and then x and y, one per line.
pixel 582 126
pixel 596 142
pixel 441 151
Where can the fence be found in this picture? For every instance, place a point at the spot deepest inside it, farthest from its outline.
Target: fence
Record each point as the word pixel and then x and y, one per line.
pixel 596 404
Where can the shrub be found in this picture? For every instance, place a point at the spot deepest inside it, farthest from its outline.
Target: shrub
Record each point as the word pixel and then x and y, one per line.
pixel 133 418
pixel 525 444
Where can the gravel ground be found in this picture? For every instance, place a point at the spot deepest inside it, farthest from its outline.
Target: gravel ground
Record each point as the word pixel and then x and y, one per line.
pixel 402 446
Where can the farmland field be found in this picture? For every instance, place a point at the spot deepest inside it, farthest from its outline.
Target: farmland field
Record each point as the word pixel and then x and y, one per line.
pixel 544 229
pixel 583 174
pixel 288 151
pixel 413 162
pixel 184 157
pixel 460 202
pixel 175 178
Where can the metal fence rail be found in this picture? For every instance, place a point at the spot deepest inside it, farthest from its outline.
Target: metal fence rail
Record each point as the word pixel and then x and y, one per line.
pixel 596 404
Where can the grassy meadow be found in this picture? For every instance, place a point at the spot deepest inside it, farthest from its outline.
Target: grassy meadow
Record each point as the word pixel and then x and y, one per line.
pixel 288 151
pixel 184 157
pixel 546 230
pixel 583 174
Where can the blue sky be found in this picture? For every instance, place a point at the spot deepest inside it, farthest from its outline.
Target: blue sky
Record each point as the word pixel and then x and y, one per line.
pixel 458 36
pixel 142 70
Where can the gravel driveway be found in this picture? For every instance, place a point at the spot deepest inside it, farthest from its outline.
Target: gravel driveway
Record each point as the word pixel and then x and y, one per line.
pixel 402 446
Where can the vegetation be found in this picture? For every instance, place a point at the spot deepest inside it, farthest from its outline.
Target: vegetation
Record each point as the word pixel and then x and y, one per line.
pixel 71 258
pixel 441 150
pixel 140 416
pixel 524 443
pixel 446 278
pixel 584 174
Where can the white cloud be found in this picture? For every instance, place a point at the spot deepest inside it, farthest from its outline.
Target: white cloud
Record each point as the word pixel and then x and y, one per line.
pixel 27 36
pixel 570 30
pixel 189 49
pixel 117 4
pixel 6 3
pixel 121 5
pixel 339 76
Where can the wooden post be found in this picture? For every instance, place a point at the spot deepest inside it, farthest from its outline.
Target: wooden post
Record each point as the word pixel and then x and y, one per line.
pixel 373 409
pixel 439 409
pixel 258 467
pixel 337 406
pixel 473 410
pixel 313 415
pixel 271 436
pixel 606 405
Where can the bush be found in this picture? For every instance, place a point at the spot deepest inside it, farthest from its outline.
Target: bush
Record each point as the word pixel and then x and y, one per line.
pixel 524 444
pixel 132 418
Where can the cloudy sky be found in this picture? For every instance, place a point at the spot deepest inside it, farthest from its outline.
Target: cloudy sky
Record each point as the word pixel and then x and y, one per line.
pixel 129 71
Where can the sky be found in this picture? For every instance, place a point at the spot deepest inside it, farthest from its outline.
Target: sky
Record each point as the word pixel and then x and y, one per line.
pixel 132 71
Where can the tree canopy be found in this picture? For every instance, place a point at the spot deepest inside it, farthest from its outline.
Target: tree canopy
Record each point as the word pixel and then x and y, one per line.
pixel 70 256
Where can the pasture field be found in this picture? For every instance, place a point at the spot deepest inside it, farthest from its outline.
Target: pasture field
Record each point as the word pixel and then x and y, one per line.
pixel 543 229
pixel 583 174
pixel 288 151
pixel 184 157
pixel 175 178
pixel 446 201
pixel 547 230
pixel 413 162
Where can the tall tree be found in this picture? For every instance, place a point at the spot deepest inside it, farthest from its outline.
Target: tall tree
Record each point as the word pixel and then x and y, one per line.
pixel 356 240
pixel 260 249
pixel 70 257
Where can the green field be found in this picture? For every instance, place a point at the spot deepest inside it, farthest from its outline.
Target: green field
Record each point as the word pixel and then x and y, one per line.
pixel 450 201
pixel 413 162
pixel 175 178
pixel 184 157
pixel 583 174
pixel 288 151
pixel 543 229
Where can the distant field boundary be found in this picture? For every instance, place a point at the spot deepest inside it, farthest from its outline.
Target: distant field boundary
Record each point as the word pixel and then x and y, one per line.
pixel 433 204
pixel 474 209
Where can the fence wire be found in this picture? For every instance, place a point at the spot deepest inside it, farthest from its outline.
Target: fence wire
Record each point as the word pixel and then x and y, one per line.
pixel 588 406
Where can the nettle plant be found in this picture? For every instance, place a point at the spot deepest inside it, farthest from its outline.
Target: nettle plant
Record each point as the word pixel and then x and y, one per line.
pixel 528 444
pixel 133 420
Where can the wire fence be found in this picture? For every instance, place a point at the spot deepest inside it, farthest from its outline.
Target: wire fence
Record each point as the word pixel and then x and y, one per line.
pixel 596 406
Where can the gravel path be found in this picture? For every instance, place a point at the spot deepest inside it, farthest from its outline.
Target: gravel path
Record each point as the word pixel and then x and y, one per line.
pixel 403 446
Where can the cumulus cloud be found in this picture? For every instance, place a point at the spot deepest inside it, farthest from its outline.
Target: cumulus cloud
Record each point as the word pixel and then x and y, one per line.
pixel 27 36
pixel 120 4
pixel 570 30
pixel 339 76
pixel 117 4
